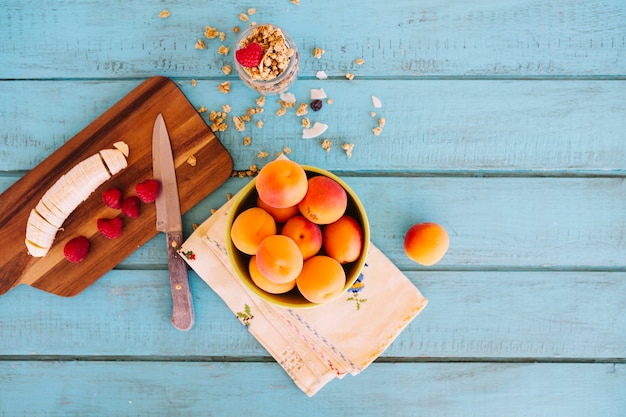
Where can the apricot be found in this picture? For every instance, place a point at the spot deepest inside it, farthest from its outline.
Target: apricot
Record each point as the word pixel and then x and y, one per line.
pixel 321 280
pixel 343 240
pixel 279 259
pixel 250 227
pixel 426 243
pixel 325 200
pixel 279 214
pixel 306 234
pixel 281 183
pixel 264 283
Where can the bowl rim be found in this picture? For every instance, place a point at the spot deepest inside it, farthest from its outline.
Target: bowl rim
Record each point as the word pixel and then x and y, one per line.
pixel 357 266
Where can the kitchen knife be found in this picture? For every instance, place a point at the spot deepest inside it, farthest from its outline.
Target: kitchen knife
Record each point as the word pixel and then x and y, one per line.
pixel 168 220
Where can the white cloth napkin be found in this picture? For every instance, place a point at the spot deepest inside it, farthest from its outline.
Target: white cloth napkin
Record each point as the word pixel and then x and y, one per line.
pixel 317 344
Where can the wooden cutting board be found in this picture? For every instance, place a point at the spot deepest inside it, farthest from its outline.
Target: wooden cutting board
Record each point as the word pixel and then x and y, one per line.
pixel 130 120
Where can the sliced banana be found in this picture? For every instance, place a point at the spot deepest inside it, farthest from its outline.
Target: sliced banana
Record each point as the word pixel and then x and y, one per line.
pixel 67 193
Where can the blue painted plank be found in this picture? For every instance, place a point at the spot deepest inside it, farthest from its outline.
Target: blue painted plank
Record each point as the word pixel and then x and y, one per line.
pixel 505 39
pixel 263 389
pixel 432 127
pixel 471 315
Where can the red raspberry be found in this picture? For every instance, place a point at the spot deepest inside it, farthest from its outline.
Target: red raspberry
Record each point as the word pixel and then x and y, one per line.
pixel 250 56
pixel 110 228
pixel 130 207
pixel 112 198
pixel 148 190
pixel 76 249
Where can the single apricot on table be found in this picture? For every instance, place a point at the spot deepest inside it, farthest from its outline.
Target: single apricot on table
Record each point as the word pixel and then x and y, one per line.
pixel 279 259
pixel 281 183
pixel 250 227
pixel 264 283
pixel 321 280
pixel 426 243
pixel 306 234
pixel 325 200
pixel 343 240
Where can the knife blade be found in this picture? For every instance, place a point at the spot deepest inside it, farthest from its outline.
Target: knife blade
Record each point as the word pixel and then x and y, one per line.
pixel 168 220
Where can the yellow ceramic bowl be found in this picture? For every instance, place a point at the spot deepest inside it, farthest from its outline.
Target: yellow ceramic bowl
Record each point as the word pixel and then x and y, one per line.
pixel 293 299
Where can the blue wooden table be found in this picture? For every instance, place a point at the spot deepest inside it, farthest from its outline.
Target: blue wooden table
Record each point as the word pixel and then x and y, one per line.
pixel 505 122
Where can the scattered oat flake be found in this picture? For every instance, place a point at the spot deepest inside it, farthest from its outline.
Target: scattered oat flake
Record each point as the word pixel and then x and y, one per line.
pixel 226 108
pixel 202 109
pixel 260 101
pixel 321 75
pixel 288 97
pixel 239 124
pixel 200 44
pixel 326 145
pixel 349 76
pixel 259 124
pixel 192 160
pixel 224 87
pixel 286 150
pixel 377 130
pixel 296 2
pixel 281 111
pixel 213 211
pixel 210 32
pixel 247 140
pixel 318 94
pixel 243 17
pixel 223 50
pixel 222 36
pixel 306 123
pixel 226 69
pixel 193 83
pixel 313 132
pixel 302 109
pixel 229 196
pixel 330 101
pixel 359 61
pixel 235 29
pixel 348 148
pixel 262 154
pixel 376 102
pixel 251 11
pixel 381 122
pixel 164 14
pixel 318 52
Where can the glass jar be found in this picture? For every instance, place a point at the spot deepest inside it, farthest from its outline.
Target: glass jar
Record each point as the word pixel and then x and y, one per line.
pixel 278 69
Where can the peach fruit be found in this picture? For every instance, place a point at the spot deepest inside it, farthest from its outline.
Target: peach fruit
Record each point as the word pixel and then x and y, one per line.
pixel 322 279
pixel 281 183
pixel 325 200
pixel 281 215
pixel 279 259
pixel 426 243
pixel 250 227
pixel 306 234
pixel 264 283
pixel 343 240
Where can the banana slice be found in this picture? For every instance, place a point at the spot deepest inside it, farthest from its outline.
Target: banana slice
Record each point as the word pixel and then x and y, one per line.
pixel 71 189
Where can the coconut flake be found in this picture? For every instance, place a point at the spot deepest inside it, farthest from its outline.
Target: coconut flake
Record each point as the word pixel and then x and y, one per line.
pixel 321 75
pixel 288 97
pixel 376 102
pixel 318 94
pixel 317 129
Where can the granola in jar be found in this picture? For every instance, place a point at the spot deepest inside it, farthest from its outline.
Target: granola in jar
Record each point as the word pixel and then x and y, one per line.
pixel 273 67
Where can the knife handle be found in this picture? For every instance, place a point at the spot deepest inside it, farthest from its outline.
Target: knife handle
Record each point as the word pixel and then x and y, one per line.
pixel 182 303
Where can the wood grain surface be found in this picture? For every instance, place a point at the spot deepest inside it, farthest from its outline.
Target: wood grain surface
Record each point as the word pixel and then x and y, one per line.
pixel 504 122
pixel 130 120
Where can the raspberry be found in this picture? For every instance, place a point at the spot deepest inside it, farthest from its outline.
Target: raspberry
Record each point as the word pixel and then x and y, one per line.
pixel 148 190
pixel 250 56
pixel 110 228
pixel 130 207
pixel 112 198
pixel 76 249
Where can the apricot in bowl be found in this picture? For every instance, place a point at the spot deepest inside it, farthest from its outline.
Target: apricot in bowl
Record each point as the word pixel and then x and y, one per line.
pixel 322 277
